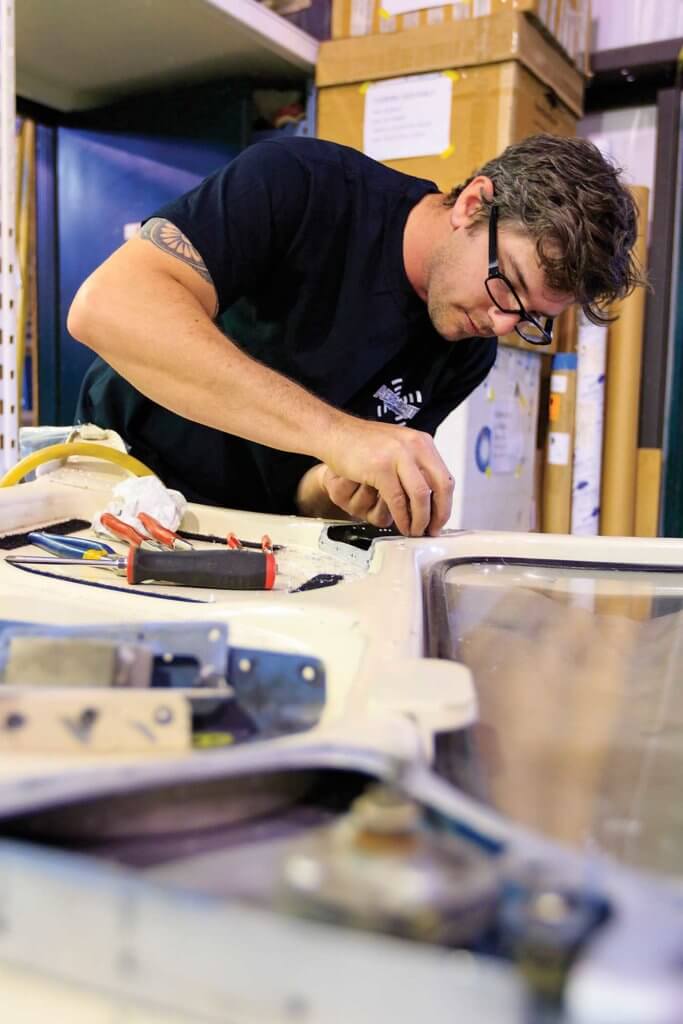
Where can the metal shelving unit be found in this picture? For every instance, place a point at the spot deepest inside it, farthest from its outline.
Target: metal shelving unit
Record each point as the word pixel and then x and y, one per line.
pixel 9 418
pixel 75 54
pixel 69 56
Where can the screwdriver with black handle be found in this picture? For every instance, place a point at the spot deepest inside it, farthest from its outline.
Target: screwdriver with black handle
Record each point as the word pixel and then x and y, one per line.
pixel 219 569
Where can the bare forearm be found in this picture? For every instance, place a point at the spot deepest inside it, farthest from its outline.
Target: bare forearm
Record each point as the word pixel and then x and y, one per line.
pixel 160 338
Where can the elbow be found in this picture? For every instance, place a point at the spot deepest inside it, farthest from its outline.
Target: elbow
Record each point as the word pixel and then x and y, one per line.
pixel 85 313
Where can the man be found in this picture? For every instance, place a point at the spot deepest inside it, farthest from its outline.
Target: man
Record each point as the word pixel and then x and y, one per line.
pixel 288 336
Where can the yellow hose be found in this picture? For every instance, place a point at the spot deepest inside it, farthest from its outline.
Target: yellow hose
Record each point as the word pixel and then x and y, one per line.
pixel 64 450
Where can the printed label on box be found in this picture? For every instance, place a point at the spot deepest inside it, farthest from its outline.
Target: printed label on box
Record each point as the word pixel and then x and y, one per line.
pixel 407 117
pixel 507 436
pixel 559 446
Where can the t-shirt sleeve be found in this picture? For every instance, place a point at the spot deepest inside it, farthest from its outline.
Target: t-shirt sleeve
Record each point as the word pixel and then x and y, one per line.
pixel 243 218
pixel 458 382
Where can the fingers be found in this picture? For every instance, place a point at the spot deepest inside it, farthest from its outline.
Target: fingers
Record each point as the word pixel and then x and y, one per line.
pixel 421 496
pixel 359 500
pixel 379 514
pixel 397 466
pixel 442 502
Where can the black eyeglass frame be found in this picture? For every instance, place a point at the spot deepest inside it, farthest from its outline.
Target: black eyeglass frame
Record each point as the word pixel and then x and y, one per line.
pixel 495 273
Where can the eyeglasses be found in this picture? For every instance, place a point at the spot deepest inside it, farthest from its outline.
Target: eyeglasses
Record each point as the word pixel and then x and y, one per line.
pixel 506 299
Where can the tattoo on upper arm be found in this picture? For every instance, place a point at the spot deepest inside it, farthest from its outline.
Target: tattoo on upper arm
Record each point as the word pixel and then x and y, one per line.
pixel 167 237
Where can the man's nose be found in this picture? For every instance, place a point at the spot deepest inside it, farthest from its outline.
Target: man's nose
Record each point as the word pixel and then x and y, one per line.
pixel 502 323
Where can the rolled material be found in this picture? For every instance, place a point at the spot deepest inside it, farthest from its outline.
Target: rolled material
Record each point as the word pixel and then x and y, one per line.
pixel 648 484
pixel 590 414
pixel 624 357
pixel 557 479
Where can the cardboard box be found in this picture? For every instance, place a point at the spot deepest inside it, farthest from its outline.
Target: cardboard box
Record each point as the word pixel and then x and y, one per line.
pixel 567 22
pixel 522 86
pixel 492 106
pixel 455 45
pixel 489 445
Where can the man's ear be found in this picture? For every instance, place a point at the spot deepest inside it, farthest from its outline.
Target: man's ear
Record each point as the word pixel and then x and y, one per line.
pixel 468 203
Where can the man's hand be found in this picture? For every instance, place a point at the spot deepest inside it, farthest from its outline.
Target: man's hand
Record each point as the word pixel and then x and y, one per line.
pixel 402 466
pixel 322 493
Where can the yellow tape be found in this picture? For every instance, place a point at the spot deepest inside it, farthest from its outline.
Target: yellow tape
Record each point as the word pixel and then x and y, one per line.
pixel 454 75
pixel 383 13
pixel 362 89
pixel 448 151
pixel 487 471
pixel 210 740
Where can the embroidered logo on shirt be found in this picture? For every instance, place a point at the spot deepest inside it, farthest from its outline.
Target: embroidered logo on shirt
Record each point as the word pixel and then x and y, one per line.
pixel 393 403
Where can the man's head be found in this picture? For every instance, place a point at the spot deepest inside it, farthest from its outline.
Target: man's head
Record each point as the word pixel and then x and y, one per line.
pixel 566 226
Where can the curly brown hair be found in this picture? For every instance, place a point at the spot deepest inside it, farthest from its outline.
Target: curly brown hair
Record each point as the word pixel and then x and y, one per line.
pixel 569 198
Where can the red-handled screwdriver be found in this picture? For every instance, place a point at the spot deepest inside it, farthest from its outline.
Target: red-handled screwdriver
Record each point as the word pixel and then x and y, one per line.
pixel 220 569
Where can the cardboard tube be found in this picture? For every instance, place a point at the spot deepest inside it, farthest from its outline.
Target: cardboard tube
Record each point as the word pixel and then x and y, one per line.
pixel 590 409
pixel 648 483
pixel 557 478
pixel 624 356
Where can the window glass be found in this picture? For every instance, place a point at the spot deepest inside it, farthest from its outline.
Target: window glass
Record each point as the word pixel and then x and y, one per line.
pixel 579 677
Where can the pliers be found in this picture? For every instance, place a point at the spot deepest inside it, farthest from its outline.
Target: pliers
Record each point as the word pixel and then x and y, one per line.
pixel 158 536
pixel 126 532
pixel 163 534
pixel 234 542
pixel 70 547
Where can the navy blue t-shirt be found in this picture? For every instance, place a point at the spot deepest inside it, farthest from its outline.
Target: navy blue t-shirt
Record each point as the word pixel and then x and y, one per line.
pixel 303 240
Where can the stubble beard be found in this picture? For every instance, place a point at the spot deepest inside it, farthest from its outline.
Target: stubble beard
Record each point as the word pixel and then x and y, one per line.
pixel 443 314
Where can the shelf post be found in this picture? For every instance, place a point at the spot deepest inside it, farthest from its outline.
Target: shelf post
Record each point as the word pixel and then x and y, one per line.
pixel 9 412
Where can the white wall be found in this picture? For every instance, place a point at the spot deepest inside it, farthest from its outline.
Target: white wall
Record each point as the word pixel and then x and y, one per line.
pixel 628 137
pixel 619 23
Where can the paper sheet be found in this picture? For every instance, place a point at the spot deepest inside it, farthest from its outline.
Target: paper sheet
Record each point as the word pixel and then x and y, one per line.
pixel 507 436
pixel 407 117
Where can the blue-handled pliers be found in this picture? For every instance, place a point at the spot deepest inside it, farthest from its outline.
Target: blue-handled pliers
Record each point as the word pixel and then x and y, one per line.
pixel 71 547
